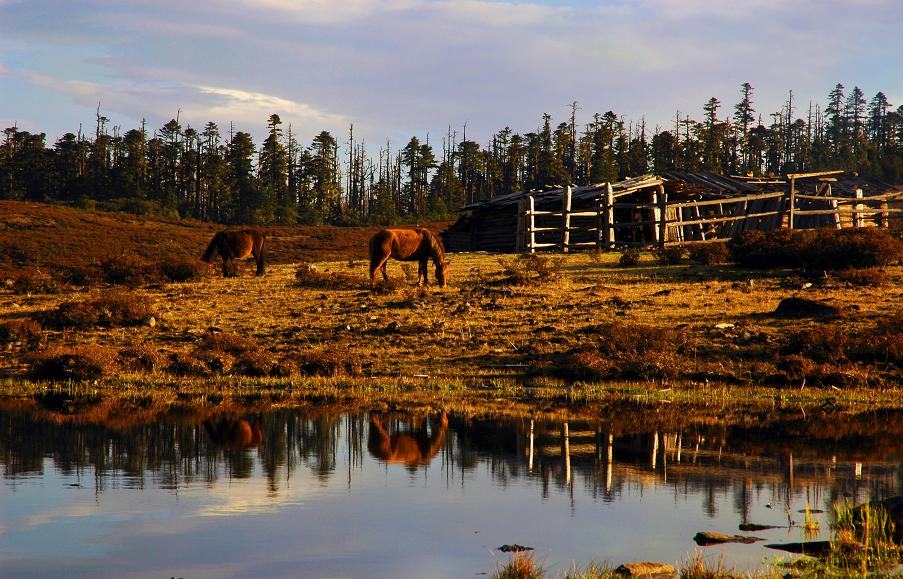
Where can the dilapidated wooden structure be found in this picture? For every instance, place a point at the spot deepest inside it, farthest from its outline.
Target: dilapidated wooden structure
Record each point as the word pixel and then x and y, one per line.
pixel 672 208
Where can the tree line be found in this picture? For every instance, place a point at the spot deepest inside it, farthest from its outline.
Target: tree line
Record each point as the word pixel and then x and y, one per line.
pixel 178 171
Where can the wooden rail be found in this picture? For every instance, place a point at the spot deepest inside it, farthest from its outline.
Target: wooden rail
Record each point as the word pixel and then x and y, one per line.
pixel 657 221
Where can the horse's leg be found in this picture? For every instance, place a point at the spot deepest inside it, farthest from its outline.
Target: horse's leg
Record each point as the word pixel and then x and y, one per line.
pixel 383 270
pixel 260 256
pixel 423 277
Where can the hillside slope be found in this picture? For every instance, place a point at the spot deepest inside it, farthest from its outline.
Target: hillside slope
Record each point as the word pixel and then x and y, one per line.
pixel 46 236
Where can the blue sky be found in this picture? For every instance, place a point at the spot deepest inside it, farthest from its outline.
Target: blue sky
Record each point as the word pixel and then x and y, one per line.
pixel 397 68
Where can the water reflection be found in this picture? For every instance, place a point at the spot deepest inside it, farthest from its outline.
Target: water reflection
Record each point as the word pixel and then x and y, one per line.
pixel 624 484
pixel 411 443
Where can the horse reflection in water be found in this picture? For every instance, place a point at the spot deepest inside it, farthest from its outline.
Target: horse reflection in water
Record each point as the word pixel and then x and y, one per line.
pixel 235 433
pixel 413 448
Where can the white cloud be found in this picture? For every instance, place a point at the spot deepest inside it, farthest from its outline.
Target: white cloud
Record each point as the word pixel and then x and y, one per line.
pixel 334 11
pixel 254 107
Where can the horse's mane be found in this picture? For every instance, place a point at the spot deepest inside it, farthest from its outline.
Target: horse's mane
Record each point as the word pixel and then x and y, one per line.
pixel 212 248
pixel 436 246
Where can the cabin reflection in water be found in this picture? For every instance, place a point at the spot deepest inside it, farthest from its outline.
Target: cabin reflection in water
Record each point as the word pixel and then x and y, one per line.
pixel 855 457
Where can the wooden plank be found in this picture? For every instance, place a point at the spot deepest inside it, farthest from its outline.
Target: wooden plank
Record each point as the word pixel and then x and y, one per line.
pixel 531 222
pixel 795 176
pixel 727 200
pixel 792 199
pixel 520 242
pixel 662 215
pixel 728 218
pixel 608 218
pixel 566 219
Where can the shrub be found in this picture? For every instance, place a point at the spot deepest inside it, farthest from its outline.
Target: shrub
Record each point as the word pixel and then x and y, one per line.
pixel 630 257
pixel 824 345
pixel 863 277
pixel 256 364
pixel 127 270
pixel 323 362
pixel 528 268
pixel 627 351
pixel 116 308
pixel 36 282
pixel 669 255
pixel 139 359
pixel 76 364
pixel 187 366
pixel 230 342
pixel 884 343
pixel 26 332
pixel 710 253
pixel 828 249
pixel 182 270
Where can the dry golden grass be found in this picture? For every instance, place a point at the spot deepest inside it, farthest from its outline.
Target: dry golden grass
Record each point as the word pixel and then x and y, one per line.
pixel 483 330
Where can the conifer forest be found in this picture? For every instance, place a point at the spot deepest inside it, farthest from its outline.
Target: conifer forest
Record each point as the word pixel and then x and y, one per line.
pixel 219 174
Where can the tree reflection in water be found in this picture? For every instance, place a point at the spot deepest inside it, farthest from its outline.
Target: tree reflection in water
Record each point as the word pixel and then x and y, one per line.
pixel 855 456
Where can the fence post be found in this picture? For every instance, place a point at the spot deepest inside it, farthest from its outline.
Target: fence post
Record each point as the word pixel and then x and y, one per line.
pixel 792 201
pixel 566 219
pixel 857 217
pixel 885 219
pixel 532 222
pixel 662 215
pixel 521 226
pixel 609 217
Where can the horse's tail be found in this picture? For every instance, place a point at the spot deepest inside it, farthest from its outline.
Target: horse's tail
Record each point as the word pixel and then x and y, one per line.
pixel 213 248
pixel 262 257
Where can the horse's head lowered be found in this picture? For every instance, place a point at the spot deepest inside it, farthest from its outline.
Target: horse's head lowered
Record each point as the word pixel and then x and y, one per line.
pixel 437 252
pixel 442 272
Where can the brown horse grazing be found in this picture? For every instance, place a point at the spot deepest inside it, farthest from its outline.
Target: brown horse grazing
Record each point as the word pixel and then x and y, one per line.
pixel 234 433
pixel 237 244
pixel 419 245
pixel 411 449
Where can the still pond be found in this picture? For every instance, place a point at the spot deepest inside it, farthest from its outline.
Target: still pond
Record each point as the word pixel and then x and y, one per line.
pixel 324 494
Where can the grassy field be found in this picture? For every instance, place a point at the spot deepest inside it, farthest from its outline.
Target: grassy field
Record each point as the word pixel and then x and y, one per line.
pixel 566 329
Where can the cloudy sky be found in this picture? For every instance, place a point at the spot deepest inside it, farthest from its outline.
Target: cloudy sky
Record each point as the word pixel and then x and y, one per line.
pixel 397 68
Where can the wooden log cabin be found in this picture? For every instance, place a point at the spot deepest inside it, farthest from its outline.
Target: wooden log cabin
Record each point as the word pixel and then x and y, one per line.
pixel 672 208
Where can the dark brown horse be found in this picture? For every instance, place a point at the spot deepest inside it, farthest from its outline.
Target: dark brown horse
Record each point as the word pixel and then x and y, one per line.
pixel 237 244
pixel 235 433
pixel 412 449
pixel 419 245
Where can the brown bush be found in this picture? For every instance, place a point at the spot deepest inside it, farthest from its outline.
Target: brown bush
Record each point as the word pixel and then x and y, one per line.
pixel 187 366
pixel 36 282
pixel 181 270
pixel 627 351
pixel 710 253
pixel 116 308
pixel 827 249
pixel 308 275
pixel 27 333
pixel 230 342
pixel 630 257
pixel 256 364
pixel 73 363
pixel 128 270
pixel 331 362
pixel 882 344
pixel 530 268
pixel 825 344
pixel 863 277
pixel 139 359
pixel 669 255
pixel 794 368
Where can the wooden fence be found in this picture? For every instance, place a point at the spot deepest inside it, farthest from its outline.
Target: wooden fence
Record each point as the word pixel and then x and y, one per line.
pixel 663 223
